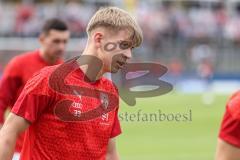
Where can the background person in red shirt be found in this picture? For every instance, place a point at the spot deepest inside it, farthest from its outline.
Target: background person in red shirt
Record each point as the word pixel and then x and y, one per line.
pixel 228 147
pixel 53 40
pixel 69 111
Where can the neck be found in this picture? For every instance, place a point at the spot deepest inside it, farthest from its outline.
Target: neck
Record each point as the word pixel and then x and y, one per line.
pixel 46 58
pixel 91 64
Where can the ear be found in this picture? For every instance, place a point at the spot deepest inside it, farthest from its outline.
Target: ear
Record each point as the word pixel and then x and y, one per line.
pixel 41 38
pixel 97 37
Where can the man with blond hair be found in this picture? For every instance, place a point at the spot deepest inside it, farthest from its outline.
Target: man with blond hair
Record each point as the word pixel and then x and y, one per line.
pixel 69 110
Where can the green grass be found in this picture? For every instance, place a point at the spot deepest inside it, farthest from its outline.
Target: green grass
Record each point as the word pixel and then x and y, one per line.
pixel 163 140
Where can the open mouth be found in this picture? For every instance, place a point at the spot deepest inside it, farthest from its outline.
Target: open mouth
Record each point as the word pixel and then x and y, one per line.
pixel 121 64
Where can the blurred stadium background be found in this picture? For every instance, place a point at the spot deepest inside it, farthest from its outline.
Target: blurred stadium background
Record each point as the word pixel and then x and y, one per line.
pixel 197 40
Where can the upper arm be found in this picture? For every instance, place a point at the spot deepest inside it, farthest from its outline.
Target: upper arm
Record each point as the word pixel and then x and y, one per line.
pixel 112 153
pixel 13 126
pixel 226 151
pixel 12 74
pixel 9 84
pixel 112 146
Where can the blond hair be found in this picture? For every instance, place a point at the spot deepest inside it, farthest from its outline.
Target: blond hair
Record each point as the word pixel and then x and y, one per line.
pixel 116 19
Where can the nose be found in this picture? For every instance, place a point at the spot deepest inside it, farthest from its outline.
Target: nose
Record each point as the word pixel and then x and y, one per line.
pixel 62 46
pixel 128 54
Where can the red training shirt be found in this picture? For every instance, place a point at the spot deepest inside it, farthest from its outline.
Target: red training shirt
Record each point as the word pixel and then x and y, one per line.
pixel 56 109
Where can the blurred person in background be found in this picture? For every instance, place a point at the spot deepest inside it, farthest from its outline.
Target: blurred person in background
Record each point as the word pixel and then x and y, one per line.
pixel 53 40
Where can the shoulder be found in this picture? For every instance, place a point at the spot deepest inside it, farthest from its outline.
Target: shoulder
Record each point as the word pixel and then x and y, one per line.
pixel 39 81
pixel 17 64
pixel 22 58
pixel 25 55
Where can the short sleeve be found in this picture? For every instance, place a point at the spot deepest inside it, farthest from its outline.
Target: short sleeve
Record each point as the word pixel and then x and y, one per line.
pixel 230 127
pixel 34 98
pixel 116 130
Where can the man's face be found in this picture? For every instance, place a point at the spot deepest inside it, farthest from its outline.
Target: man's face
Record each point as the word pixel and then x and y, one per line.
pixel 54 43
pixel 116 50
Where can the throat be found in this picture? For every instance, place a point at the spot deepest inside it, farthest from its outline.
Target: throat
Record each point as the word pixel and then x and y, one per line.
pixel 92 72
pixel 47 59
